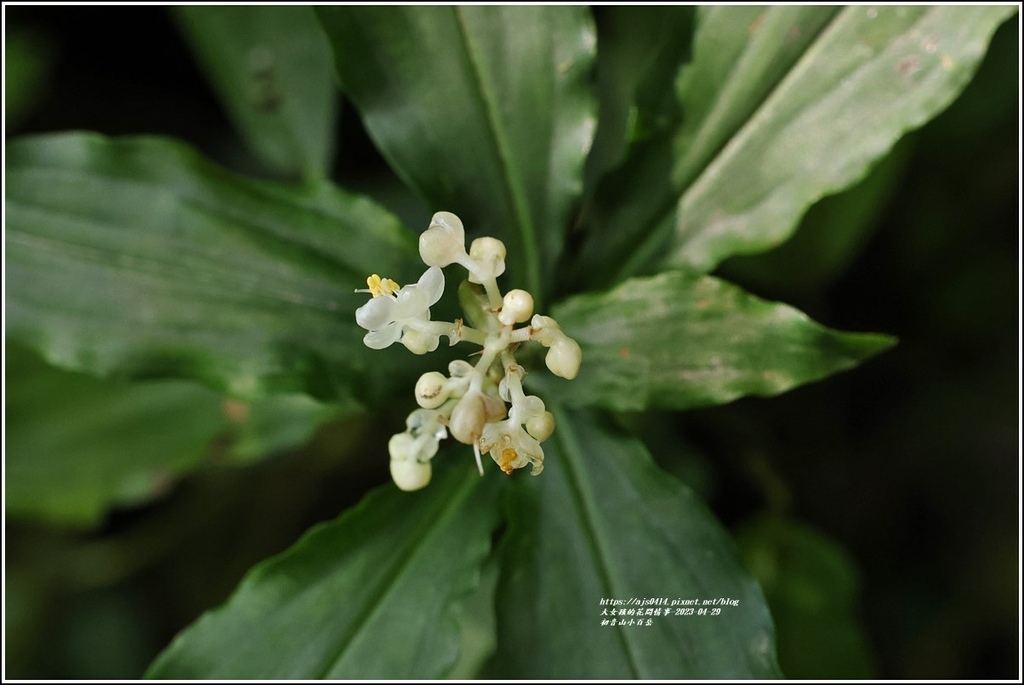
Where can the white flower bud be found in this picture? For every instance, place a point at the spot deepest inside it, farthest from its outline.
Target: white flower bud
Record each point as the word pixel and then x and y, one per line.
pixel 418 342
pixel 402 447
pixel 410 475
pixel 444 241
pixel 489 255
pixel 545 330
pixel 470 415
pixel 516 307
pixel 542 426
pixel 431 390
pixel 564 357
pixel 460 368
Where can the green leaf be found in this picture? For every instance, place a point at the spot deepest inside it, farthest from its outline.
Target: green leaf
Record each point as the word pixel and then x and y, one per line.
pixel 870 76
pixel 277 423
pixel 640 51
pixel 604 523
pixel 135 257
pixel 374 594
pixel 76 445
pixel 812 588
pixel 28 60
pixel 677 341
pixel 830 236
pixel 739 56
pixel 272 69
pixel 485 111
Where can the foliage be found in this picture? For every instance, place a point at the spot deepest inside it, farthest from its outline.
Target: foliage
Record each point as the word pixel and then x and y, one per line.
pixel 622 160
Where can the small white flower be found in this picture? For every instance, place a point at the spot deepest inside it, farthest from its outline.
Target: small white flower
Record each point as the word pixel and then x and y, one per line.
pixel 564 354
pixel 391 312
pixel 444 241
pixel 488 257
pixel 412 450
pixel 432 390
pixel 511 447
pixel 472 413
pixel 517 307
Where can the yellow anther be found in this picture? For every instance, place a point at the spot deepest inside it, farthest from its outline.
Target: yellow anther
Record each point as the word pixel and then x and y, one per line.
pixel 381 286
pixel 508 455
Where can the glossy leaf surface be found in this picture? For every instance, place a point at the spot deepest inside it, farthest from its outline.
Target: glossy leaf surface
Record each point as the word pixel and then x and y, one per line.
pixel 602 522
pixel 872 74
pixel 374 594
pixel 135 257
pixel 485 111
pixel 739 54
pixel 675 341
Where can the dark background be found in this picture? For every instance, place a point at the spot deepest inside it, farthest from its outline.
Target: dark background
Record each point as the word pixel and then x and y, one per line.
pixel 910 463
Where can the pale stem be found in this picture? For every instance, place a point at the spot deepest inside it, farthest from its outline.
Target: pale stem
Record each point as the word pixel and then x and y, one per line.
pixel 479 464
pixel 512 378
pixel 521 335
pixel 450 330
pixel 492 347
pixel 493 293
pixel 473 335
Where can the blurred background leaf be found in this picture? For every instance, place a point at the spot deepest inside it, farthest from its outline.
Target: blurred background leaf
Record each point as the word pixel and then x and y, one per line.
pixel 76 445
pixel 678 341
pixel 271 68
pixel 135 257
pixel 372 594
pixel 603 522
pixel 485 111
pixel 28 61
pixel 277 423
pixel 641 50
pixel 812 587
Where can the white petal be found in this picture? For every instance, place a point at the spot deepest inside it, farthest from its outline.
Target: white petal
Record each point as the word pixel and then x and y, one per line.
pixel 376 313
pixel 383 337
pixel 412 304
pixel 431 285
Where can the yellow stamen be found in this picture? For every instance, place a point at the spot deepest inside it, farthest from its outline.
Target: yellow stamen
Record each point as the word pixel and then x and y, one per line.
pixel 381 286
pixel 508 455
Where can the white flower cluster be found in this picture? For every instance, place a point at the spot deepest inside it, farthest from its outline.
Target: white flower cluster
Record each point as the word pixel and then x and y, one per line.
pixel 470 402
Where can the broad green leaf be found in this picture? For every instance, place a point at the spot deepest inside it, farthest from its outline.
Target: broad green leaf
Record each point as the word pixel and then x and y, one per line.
pixel 75 445
pixel 870 76
pixel 812 586
pixel 485 111
pixel 135 257
pixel 830 236
pixel 374 594
pixel 602 522
pixel 677 341
pixel 739 55
pixel 271 67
